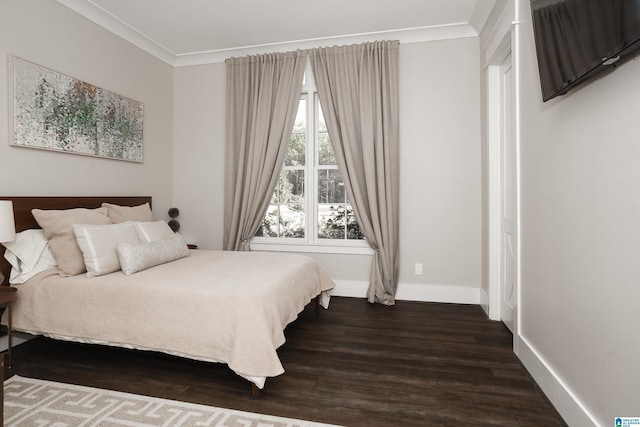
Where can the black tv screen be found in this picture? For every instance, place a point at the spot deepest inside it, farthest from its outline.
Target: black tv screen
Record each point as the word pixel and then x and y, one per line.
pixel 577 39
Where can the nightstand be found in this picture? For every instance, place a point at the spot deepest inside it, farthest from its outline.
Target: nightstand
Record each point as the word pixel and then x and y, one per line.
pixel 8 295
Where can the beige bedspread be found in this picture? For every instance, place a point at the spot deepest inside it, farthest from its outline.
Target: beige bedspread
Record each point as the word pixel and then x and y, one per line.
pixel 230 307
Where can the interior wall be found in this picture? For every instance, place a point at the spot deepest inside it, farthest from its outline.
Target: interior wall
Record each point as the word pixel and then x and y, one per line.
pixel 440 177
pixel 581 236
pixel 50 35
pixel 199 126
pixel 440 167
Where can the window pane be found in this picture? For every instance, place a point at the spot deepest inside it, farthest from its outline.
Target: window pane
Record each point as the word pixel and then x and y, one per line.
pixel 338 222
pixel 330 186
pixel 281 188
pixel 270 227
pixel 331 221
pixel 353 228
pixel 292 221
pixel 290 187
pixel 296 149
pixel 326 155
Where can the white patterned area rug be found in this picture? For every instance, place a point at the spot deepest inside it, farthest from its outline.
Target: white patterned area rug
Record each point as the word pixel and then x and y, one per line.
pixel 31 402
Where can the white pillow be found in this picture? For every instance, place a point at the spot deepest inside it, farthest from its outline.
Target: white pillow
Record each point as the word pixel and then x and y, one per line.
pixel 28 254
pixel 152 231
pixel 137 257
pixel 98 245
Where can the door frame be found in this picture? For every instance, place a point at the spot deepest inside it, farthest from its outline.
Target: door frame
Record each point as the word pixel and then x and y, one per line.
pixel 494 178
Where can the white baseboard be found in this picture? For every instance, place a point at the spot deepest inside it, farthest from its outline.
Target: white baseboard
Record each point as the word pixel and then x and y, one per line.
pixel 484 301
pixel 414 292
pixel 566 403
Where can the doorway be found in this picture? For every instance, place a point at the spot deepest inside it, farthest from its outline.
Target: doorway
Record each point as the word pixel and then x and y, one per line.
pixel 508 164
pixel 502 170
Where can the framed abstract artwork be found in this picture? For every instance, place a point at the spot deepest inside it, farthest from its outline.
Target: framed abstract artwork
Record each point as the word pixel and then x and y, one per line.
pixel 53 111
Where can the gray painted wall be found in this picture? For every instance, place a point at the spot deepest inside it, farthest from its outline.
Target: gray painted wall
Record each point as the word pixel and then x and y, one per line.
pixel 581 233
pixel 53 36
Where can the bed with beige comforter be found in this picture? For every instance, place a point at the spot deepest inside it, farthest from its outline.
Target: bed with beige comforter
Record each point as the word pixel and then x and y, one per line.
pixel 229 307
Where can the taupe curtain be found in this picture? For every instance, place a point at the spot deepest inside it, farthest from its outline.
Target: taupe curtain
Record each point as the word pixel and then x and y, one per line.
pixel 263 92
pixel 358 90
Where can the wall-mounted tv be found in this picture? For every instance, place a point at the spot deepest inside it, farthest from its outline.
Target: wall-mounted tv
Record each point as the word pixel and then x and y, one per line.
pixel 577 39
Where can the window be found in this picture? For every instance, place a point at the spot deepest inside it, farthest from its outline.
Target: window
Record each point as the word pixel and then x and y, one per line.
pixel 310 204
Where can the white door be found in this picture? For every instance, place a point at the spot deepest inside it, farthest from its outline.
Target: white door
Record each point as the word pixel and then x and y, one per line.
pixel 509 246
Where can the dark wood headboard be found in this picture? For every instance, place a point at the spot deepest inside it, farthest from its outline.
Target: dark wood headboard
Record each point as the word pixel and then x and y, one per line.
pixel 24 220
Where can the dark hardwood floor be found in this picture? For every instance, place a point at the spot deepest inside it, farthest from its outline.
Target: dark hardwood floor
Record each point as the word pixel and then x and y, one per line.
pixel 356 364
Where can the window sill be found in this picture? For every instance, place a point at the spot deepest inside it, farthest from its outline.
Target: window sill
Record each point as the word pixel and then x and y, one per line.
pixel 319 249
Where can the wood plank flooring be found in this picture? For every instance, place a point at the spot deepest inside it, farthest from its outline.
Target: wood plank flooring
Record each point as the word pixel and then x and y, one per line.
pixel 356 364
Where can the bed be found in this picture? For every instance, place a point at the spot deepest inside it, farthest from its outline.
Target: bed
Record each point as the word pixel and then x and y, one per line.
pixel 216 306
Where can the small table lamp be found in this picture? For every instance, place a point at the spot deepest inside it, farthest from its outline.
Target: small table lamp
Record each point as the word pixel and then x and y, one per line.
pixel 7 225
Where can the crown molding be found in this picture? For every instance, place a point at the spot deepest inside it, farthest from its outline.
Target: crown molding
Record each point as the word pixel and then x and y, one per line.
pixel 482 11
pixel 99 16
pixel 410 35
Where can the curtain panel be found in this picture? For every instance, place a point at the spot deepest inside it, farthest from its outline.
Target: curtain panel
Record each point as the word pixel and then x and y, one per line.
pixel 263 92
pixel 358 88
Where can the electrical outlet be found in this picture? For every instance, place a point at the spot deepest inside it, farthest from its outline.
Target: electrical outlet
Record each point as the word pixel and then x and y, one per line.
pixel 418 269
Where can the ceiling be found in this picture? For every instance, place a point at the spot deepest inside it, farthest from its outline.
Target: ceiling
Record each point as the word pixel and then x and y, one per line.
pixel 185 32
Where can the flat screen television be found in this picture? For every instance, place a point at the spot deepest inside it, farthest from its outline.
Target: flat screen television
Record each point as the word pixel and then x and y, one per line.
pixel 578 39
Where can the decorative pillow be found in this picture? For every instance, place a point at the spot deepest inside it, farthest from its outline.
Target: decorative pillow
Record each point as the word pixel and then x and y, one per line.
pixel 140 256
pixel 58 230
pixel 28 254
pixel 119 213
pixel 152 231
pixel 98 245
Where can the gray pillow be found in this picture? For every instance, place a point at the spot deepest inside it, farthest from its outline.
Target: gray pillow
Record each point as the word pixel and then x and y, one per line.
pixel 136 257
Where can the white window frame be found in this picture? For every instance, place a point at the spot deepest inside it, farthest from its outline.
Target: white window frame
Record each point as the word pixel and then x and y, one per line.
pixel 311 243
